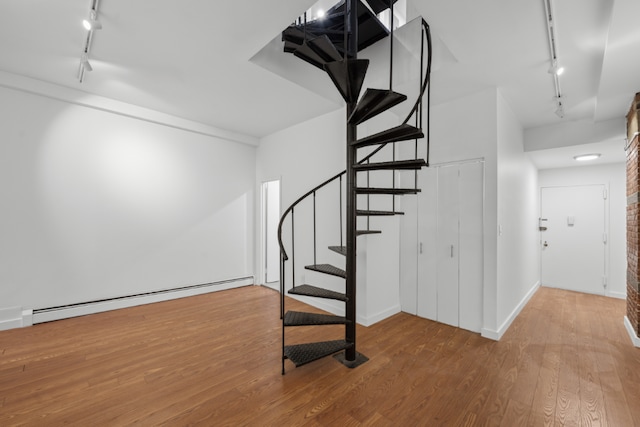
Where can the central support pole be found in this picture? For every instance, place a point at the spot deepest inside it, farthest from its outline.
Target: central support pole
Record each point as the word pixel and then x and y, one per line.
pixel 351 356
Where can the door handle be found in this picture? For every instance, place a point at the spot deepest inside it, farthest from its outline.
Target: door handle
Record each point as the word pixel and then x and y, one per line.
pixel 451 251
pixel 545 244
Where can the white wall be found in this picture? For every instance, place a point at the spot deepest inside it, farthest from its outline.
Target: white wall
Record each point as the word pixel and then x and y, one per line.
pixel 482 126
pixel 97 205
pixel 613 177
pixel 518 209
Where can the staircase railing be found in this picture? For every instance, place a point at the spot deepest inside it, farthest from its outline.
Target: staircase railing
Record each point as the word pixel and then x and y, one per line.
pixel 416 110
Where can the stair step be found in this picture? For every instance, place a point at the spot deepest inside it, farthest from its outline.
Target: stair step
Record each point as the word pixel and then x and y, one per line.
pixel 299 318
pixel 377 190
pixel 348 76
pixel 377 213
pixel 313 291
pixel 398 133
pixel 397 165
pixel 370 29
pixel 379 5
pixel 323 47
pixel 306 53
pixel 342 250
pixel 301 354
pixel 327 269
pixel 374 102
pixel 365 232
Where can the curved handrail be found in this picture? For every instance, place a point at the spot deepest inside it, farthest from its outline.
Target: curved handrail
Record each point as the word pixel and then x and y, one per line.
pixel 427 79
pixel 310 192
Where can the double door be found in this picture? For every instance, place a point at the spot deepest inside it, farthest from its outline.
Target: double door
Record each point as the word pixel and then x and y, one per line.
pixel 443 275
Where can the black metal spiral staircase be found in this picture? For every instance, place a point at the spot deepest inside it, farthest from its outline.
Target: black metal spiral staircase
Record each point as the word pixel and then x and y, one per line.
pixel 332 44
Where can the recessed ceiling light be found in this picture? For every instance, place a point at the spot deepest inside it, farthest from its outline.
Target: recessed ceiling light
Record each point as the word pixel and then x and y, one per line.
pixel 586 157
pixel 321 14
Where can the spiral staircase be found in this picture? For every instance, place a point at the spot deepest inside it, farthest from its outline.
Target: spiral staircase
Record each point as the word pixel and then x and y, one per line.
pixel 332 44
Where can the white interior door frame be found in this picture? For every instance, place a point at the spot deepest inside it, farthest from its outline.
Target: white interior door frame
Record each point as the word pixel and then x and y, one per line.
pixel 267 231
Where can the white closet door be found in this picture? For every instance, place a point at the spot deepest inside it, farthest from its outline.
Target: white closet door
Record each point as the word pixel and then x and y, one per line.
pixel 427 229
pixel 447 246
pixel 470 280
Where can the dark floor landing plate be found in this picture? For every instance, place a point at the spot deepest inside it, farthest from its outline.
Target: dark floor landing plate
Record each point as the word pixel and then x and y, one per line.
pixel 359 360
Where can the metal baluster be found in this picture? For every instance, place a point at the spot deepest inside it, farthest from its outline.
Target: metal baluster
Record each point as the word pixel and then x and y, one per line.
pixel 368 197
pixel 391 48
pixel 293 250
pixel 393 177
pixel 314 229
pixel 341 211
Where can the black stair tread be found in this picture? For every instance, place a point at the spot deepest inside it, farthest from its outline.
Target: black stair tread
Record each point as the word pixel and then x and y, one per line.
pixel 342 250
pixel 314 291
pixel 348 76
pixel 297 34
pixel 370 29
pixel 323 47
pixel 374 102
pixel 300 318
pixel 398 133
pixel 364 232
pixel 398 164
pixel 379 190
pixel 377 213
pixel 308 54
pixel 301 354
pixel 327 269
pixel 379 5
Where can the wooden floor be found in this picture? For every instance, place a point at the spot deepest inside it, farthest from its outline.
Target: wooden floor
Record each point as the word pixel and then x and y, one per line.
pixel 215 360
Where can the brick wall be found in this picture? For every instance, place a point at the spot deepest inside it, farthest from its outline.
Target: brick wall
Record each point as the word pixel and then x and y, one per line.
pixel 633 233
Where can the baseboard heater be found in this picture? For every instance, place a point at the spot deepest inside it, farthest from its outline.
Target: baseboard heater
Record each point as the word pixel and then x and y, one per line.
pixel 49 314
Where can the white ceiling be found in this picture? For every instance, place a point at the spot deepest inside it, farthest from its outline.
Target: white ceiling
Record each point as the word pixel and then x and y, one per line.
pixel 192 59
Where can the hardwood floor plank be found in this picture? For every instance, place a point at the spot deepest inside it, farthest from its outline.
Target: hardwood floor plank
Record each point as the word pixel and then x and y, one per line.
pixel 214 359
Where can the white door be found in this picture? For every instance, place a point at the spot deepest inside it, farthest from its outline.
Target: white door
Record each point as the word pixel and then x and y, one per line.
pixel 271 218
pixel 447 246
pixel 574 243
pixel 471 253
pixel 449 228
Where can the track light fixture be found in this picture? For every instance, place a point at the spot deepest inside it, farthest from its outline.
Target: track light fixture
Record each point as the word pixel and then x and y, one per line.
pixel 92 23
pixel 555 70
pixel 560 108
pixel 84 62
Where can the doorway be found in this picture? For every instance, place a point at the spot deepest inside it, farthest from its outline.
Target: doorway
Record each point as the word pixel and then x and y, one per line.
pixel 270 219
pixel 573 238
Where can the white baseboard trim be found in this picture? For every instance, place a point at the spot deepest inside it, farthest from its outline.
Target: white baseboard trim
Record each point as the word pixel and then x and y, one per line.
pixel 632 334
pixel 57 313
pixel 10 324
pixel 375 318
pixel 496 335
pixel 10 318
pixel 619 295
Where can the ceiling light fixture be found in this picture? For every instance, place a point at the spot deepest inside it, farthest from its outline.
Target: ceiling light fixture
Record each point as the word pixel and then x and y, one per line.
pixel 556 70
pixel 321 14
pixel 90 25
pixel 586 157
